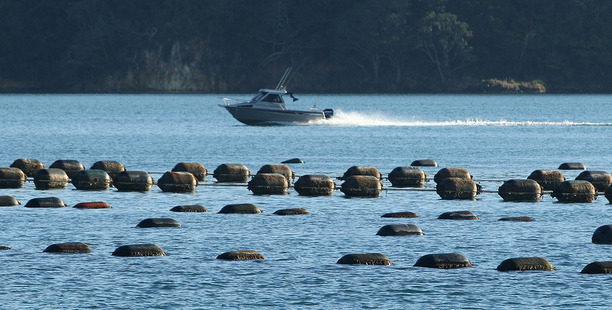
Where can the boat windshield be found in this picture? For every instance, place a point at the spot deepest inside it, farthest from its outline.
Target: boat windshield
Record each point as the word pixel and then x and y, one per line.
pixel 273 98
pixel 268 97
pixel 258 97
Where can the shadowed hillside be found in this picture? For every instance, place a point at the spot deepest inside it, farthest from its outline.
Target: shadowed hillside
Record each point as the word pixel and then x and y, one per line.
pixel 335 46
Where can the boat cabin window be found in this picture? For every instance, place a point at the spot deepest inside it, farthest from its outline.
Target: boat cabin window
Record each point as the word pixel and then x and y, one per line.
pixel 273 98
pixel 268 97
pixel 258 97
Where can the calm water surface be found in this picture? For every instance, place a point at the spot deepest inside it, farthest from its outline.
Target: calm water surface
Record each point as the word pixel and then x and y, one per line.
pixel 495 137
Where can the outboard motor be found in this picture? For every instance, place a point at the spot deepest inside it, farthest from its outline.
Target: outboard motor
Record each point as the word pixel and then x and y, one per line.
pixel 328 113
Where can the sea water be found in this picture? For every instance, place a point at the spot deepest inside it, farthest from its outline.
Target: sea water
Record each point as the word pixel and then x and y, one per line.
pixel 495 137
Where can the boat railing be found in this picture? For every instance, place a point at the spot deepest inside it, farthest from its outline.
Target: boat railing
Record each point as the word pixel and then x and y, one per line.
pixel 230 101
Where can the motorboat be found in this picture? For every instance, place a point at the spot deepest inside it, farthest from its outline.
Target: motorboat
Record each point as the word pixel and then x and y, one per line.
pixel 268 108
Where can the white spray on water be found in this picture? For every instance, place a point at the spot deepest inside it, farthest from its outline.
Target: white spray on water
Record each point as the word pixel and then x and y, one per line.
pixel 352 119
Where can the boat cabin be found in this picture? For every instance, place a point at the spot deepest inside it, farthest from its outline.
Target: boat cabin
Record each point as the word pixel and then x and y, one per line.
pixel 270 98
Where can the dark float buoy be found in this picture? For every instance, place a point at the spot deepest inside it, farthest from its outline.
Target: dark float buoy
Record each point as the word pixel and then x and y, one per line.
pixel 234 173
pixel 361 186
pixel 407 177
pixel 243 208
pixel 361 170
pixel 12 178
pixel 91 180
pixel 446 173
pixel 139 250
pixel 71 167
pixel 457 188
pixel 92 205
pixel 598 267
pixel 177 182
pixel 458 215
pixel 443 261
pixel 424 163
pixel 293 211
pixel 198 170
pixel 158 222
pixel 517 219
pixel 572 166
pixel 399 230
pixel 8 201
pixel 525 263
pixel 240 255
pixel 405 214
pixel 575 191
pixel 365 259
pixel 600 179
pixel 283 170
pixel 111 167
pixel 52 178
pixel 520 190
pixel 602 235
pixel 293 161
pixel 72 247
pixel 133 181
pixel 548 179
pixel 28 166
pixel 189 208
pixel 47 202
pixel 314 185
pixel 268 184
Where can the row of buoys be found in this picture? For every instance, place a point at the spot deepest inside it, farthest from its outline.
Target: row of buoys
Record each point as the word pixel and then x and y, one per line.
pixel 242 208
pixel 439 261
pixel 71 167
pixel 359 181
pixel 55 202
pixel 602 235
pixel 444 261
pixel 456 215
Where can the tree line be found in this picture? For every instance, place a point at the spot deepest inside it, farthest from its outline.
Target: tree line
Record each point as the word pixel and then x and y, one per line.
pixel 334 45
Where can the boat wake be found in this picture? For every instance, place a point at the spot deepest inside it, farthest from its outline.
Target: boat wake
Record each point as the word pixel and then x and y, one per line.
pixel 353 119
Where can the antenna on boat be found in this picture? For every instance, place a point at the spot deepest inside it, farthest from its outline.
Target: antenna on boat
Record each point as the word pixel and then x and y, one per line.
pixel 283 79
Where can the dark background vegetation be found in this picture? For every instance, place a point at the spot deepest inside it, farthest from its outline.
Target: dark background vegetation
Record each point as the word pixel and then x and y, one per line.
pixel 333 45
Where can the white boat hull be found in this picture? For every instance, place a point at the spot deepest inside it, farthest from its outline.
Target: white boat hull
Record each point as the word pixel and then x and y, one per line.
pixel 254 116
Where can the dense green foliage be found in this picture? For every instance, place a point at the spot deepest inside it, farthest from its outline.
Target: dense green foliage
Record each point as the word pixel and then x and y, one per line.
pixel 334 45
